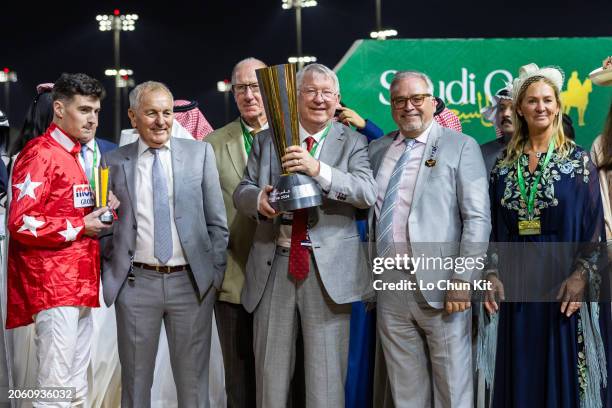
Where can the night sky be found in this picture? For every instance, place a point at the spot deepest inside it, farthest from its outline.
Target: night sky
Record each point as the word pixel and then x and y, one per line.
pixel 190 45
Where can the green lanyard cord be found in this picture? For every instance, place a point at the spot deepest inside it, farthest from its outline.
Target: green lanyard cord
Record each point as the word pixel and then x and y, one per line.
pixel 534 186
pixel 247 137
pixel 315 147
pixel 92 179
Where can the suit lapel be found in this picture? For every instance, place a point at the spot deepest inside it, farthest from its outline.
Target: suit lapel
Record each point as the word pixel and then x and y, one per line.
pixel 330 155
pixel 129 168
pixel 381 152
pixel 424 172
pixel 330 151
pixel 177 168
pixel 235 149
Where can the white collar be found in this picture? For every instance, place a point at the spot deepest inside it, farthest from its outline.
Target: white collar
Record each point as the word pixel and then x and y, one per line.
pixel 250 128
pixel 143 147
pixel 91 145
pixel 317 136
pixel 422 138
pixel 60 137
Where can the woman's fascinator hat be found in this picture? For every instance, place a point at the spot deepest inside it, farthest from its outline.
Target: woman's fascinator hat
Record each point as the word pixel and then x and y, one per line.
pixel 553 74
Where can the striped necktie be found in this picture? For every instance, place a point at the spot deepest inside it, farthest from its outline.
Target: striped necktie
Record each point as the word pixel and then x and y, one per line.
pixel 384 230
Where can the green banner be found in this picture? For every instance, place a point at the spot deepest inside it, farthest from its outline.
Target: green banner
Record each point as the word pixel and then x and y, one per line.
pixel 466 72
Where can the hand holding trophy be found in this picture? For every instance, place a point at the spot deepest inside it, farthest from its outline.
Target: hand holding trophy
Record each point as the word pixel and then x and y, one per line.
pixel 101 177
pixel 293 190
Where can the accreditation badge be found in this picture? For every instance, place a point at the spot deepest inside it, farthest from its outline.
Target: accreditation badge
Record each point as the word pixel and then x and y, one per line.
pixel 83 196
pixel 529 227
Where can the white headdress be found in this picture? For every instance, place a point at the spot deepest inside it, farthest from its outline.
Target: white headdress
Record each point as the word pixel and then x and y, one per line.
pixel 489 112
pixel 554 74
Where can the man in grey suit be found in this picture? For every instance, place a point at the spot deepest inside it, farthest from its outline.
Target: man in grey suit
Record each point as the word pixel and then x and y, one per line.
pixel 308 266
pixel 432 203
pixel 232 145
pixel 168 251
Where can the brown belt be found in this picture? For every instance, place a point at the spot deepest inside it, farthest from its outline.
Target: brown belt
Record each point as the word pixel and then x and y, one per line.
pixel 162 269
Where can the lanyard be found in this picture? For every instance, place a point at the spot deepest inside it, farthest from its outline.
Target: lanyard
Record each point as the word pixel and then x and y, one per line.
pixel 315 147
pixel 92 179
pixel 247 137
pixel 534 186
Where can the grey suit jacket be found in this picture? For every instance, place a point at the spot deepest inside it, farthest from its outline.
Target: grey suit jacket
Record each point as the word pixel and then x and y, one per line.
pixel 493 150
pixel 198 213
pixel 450 214
pixel 231 161
pixel 339 257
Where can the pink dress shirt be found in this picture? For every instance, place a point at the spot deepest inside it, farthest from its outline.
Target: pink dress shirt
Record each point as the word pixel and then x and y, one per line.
pixel 407 182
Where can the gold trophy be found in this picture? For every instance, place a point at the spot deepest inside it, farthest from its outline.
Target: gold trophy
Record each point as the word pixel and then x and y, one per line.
pixel 101 176
pixel 278 86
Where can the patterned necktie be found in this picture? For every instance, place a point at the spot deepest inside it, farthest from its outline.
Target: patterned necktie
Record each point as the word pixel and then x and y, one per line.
pixel 161 212
pixel 248 140
pixel 299 256
pixel 86 163
pixel 384 230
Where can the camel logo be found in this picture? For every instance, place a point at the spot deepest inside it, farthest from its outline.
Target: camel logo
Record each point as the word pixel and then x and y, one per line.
pixel 576 96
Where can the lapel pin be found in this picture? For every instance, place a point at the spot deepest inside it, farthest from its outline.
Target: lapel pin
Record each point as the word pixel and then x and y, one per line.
pixel 431 161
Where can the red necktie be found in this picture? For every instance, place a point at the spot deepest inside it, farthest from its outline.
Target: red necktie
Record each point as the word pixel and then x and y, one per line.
pixel 299 255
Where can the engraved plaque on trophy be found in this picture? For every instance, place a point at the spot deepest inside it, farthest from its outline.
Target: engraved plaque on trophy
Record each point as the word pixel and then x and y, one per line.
pixel 293 191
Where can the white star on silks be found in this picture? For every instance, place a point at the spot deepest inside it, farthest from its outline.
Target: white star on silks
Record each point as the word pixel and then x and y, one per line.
pixel 30 224
pixel 70 233
pixel 27 188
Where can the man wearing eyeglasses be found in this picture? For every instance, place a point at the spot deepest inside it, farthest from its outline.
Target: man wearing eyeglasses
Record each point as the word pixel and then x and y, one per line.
pixel 307 265
pixel 432 203
pixel 232 146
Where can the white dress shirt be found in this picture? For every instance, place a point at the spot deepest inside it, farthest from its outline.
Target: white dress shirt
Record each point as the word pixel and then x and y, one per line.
pixel 89 155
pixel 324 179
pixel 145 238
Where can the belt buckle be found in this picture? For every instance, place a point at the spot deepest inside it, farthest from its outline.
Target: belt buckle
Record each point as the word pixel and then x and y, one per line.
pixel 162 269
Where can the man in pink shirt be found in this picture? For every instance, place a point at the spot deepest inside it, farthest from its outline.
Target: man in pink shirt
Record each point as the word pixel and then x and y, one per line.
pixel 433 207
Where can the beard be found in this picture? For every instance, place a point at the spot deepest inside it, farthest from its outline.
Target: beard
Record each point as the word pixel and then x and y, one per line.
pixel 412 125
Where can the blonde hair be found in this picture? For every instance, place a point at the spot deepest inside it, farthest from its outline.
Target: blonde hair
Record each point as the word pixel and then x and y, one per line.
pixel 563 144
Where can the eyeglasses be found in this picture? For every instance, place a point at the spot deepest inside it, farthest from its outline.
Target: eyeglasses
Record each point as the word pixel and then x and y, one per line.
pixel 242 88
pixel 415 100
pixel 326 94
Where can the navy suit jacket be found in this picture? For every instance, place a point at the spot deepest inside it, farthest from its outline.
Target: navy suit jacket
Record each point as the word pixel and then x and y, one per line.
pixel 105 146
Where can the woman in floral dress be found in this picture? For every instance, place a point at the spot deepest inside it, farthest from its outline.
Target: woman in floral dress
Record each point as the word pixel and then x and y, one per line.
pixel 547 216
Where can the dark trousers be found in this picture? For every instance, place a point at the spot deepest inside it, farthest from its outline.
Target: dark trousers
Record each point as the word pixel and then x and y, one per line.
pixel 235 327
